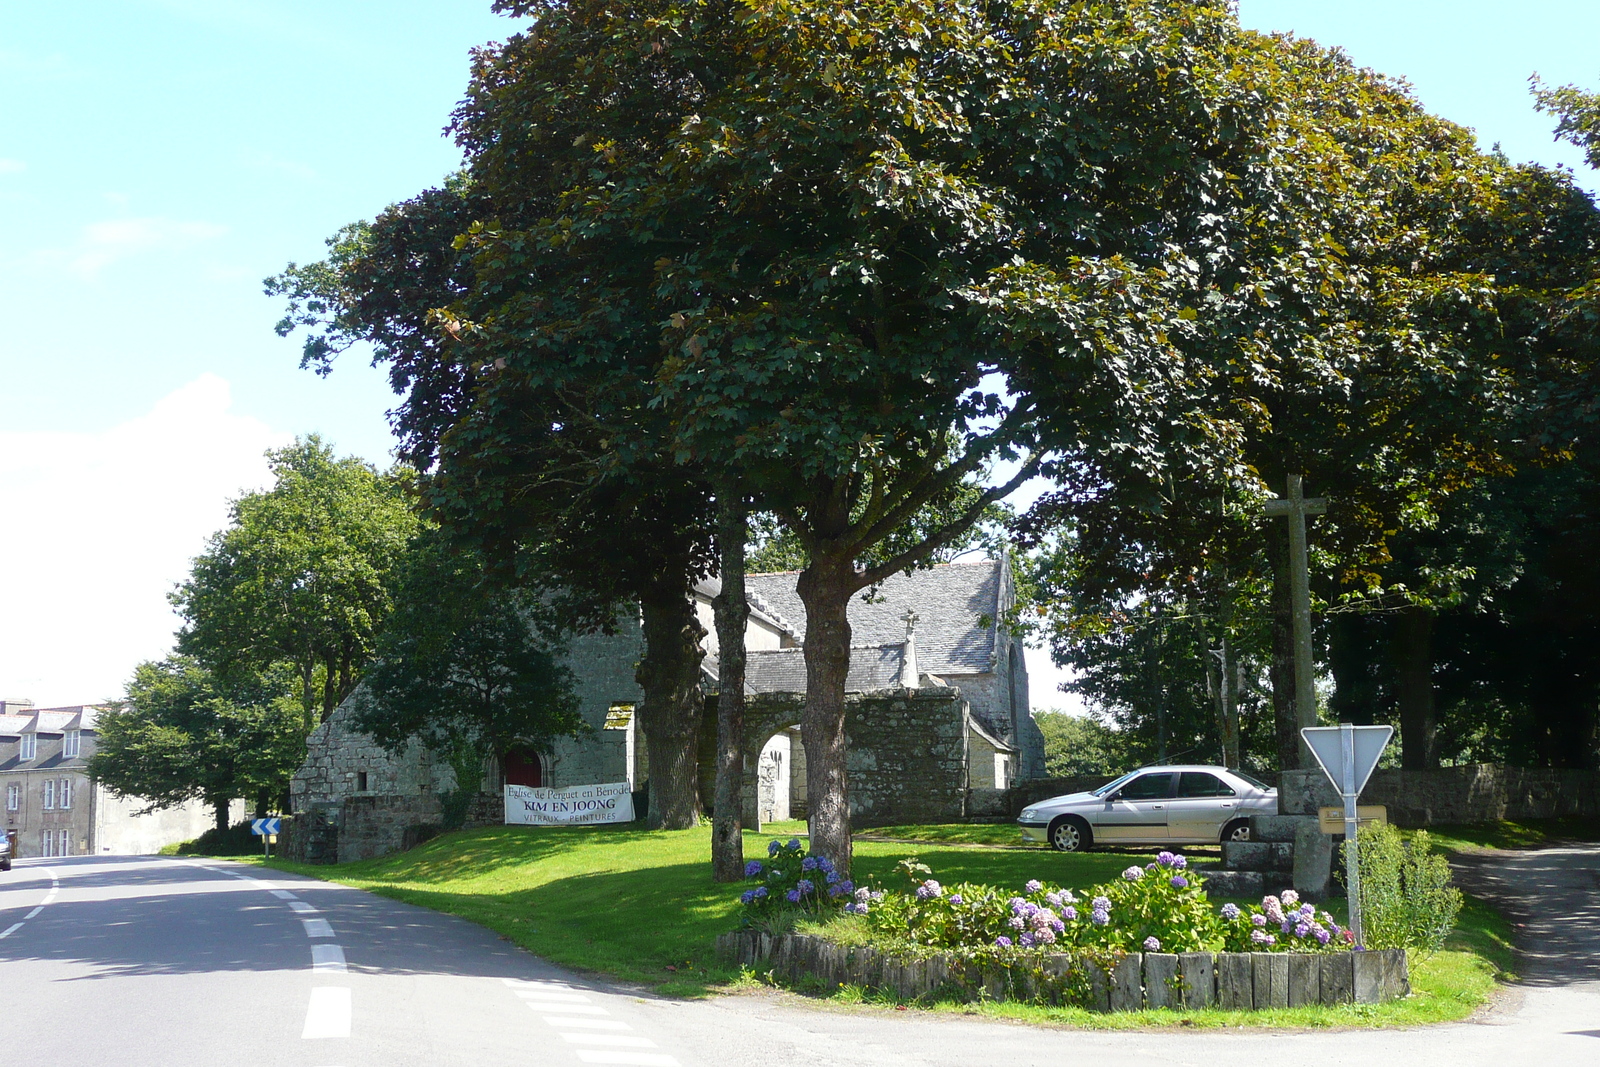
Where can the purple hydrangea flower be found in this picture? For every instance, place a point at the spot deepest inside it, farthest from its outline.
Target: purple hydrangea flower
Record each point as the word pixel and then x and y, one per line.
pixel 1133 874
pixel 1323 937
pixel 1017 922
pixel 955 898
pixel 747 896
pixel 853 908
pixel 794 844
pixel 835 891
pixel 1302 929
pixel 809 863
pixel 760 891
pixel 1100 904
pixel 1100 918
pixel 1017 904
pixel 863 895
pixel 1047 936
pixel 1166 859
pixel 753 868
pixel 773 848
pixel 793 895
pixel 929 889
pixel 1180 862
pixel 1002 942
pixel 1152 944
pixel 1058 926
pixel 1180 882
pixel 824 864
pixel 1053 899
pixel 1289 898
pixel 1069 913
pixel 1033 886
pixel 804 886
pixel 832 877
pixel 1230 912
pixel 1258 920
pixel 1025 940
pixel 1261 937
pixel 847 886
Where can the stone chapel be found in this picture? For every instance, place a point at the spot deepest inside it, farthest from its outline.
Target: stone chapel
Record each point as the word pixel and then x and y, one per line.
pixel 937 716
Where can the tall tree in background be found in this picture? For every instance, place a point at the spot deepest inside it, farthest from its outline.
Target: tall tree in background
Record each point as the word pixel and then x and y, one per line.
pixel 180 733
pixel 300 576
pixel 522 446
pixel 469 668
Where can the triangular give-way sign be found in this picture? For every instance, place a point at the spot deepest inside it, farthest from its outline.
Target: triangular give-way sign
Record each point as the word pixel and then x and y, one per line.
pixel 1362 744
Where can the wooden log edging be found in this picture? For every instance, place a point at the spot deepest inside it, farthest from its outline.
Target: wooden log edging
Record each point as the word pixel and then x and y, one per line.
pixel 1229 980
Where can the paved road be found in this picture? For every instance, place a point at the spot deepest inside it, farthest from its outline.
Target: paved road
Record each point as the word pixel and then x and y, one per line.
pixel 175 962
pixel 132 962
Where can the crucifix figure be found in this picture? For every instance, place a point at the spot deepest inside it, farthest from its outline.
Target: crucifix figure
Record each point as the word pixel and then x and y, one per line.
pixel 908 663
pixel 1295 506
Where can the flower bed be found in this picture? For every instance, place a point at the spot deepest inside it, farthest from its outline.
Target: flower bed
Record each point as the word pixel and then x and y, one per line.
pixel 1150 938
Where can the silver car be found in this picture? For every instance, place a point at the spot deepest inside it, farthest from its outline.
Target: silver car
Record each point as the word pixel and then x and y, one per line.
pixel 1153 806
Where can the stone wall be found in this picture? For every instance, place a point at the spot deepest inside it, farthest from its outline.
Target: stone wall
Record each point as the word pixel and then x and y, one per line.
pixel 1474 793
pixel 908 752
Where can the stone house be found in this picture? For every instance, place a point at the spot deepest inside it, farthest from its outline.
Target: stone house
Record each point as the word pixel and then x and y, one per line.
pixel 937 713
pixel 52 808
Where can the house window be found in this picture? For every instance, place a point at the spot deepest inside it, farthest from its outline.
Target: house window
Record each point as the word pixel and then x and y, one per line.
pixel 47 844
pixel 72 744
pixel 13 797
pixel 63 843
pixel 65 794
pixel 30 746
pixel 49 794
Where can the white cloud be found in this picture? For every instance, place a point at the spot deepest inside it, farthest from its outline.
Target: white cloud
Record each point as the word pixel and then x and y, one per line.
pixel 100 525
pixel 12 166
pixel 101 244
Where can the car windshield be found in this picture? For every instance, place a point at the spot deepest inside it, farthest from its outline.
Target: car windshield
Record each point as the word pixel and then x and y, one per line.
pixel 1113 785
pixel 1252 779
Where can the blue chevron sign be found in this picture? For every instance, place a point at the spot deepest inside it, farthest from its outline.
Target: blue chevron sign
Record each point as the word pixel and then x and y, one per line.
pixel 266 827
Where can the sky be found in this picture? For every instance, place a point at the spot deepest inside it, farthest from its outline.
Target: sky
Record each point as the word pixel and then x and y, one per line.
pixel 159 158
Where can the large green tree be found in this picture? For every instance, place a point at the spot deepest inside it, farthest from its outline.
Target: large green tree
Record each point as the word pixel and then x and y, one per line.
pixel 825 234
pixel 300 576
pixel 180 733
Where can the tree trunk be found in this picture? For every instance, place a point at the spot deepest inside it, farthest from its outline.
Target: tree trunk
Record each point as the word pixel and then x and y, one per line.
pixel 1413 654
pixel 1355 663
pixel 1225 692
pixel 1282 669
pixel 669 674
pixel 220 810
pixel 330 685
pixel 825 587
pixel 732 615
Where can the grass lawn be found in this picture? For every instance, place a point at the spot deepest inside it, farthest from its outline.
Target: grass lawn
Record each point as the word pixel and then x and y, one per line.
pixel 641 906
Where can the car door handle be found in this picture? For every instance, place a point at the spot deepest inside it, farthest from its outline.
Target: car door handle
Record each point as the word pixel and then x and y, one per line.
pixel 1157 807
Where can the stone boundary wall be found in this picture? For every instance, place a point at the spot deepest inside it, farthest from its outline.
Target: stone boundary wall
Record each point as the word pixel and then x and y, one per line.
pixel 1472 793
pixel 1228 980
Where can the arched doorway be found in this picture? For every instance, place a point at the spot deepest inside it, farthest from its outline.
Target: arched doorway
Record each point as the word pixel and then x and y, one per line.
pixel 523 766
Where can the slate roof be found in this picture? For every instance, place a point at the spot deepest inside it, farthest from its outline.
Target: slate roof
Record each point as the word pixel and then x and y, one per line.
pixel 783 670
pixel 949 599
pixel 13 725
pixel 712 588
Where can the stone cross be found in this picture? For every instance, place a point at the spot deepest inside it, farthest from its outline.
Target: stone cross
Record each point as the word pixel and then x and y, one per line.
pixel 1295 506
pixel 909 675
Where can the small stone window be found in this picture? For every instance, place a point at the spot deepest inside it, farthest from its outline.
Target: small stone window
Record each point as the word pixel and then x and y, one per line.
pixel 361 781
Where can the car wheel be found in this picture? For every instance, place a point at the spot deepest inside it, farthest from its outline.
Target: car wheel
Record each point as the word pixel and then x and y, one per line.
pixel 1237 830
pixel 1070 834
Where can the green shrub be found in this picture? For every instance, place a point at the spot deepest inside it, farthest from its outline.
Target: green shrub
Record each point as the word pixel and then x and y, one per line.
pixel 236 840
pixel 1407 900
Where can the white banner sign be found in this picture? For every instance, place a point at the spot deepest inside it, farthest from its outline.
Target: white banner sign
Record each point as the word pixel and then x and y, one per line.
pixel 577 805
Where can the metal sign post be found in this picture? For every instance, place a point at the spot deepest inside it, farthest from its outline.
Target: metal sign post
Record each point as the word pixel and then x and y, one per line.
pixel 267 830
pixel 1347 755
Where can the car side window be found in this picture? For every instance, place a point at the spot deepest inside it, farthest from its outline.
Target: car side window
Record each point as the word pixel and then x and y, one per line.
pixel 1148 787
pixel 1195 784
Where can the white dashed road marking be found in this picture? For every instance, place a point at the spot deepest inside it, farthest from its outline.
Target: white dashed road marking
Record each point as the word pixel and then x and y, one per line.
pixel 55 887
pixel 578 1025
pixel 328 1014
pixel 282 894
pixel 300 907
pixel 317 927
pixel 327 958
